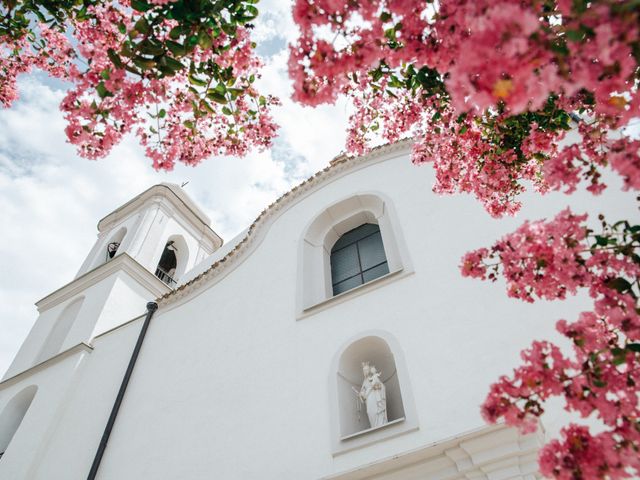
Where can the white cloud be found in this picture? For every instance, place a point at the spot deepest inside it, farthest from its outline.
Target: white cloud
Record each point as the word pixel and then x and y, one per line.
pixel 51 200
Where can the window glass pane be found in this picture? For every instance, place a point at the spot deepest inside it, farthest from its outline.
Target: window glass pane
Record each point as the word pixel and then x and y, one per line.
pixel 371 251
pixel 344 263
pixel 356 234
pixel 376 272
pixel 347 284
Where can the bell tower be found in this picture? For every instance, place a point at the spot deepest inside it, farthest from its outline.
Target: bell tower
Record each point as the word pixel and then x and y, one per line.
pixel 143 249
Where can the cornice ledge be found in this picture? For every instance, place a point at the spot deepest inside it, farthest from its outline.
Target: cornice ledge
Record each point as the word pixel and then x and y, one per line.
pixel 122 262
pixel 342 163
pixel 80 347
pixel 177 198
pixel 503 450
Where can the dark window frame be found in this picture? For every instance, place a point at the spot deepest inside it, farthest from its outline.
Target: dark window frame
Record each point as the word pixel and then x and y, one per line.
pixel 361 272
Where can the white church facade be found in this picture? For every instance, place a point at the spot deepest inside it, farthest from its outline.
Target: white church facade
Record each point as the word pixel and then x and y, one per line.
pixel 332 339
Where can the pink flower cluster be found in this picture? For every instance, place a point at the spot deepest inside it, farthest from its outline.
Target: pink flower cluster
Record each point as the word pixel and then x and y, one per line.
pixel 173 118
pixel 466 161
pixel 17 57
pixel 507 51
pixel 496 60
pixel 549 260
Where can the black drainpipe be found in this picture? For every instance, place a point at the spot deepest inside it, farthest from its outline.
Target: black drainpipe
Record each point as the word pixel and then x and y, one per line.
pixel 151 308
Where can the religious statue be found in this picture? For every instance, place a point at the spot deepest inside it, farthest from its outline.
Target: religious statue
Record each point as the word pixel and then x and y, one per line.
pixel 373 394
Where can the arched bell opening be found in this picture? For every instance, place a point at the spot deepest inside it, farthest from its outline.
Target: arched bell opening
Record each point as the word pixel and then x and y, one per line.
pixel 173 260
pixel 114 244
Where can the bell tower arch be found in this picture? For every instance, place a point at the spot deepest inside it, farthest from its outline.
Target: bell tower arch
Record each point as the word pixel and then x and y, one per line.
pixel 143 249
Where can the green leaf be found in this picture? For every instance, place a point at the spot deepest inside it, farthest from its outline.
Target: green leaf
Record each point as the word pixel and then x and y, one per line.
pixel 196 81
pixel 619 356
pixel 229 29
pixel 385 17
pixel 235 92
pixel 140 5
pixel 142 26
pixel 162 113
pixel 176 32
pixel 204 40
pixel 574 35
pixel 216 96
pixel 102 90
pixel 207 106
pixel 227 111
pixel 634 347
pixel 619 284
pixel 172 63
pixel 560 47
pixel 115 58
pixel 175 48
pixel 250 13
pixel 147 47
pixel 143 63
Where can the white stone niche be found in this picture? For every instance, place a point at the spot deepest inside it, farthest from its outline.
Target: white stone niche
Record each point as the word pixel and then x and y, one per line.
pixel 350 424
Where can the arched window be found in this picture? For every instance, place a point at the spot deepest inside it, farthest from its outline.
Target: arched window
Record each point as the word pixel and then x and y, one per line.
pixel 13 414
pixel 173 260
pixel 348 244
pixel 114 244
pixel 357 258
pixel 53 343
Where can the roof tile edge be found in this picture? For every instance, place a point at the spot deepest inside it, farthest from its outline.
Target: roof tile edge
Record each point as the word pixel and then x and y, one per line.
pixel 341 160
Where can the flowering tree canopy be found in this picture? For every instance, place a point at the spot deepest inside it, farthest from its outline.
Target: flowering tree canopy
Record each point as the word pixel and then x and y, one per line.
pixel 550 260
pixel 486 87
pixel 491 90
pixel 497 95
pixel 180 74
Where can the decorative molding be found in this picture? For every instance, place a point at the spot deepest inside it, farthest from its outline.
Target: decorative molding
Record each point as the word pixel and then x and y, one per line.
pixel 177 197
pixel 493 452
pixel 372 429
pixel 354 292
pixel 81 347
pixel 120 263
pixel 337 167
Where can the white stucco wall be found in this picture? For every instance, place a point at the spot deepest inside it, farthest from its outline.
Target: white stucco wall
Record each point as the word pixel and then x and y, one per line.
pixel 56 386
pixel 234 382
pixel 107 304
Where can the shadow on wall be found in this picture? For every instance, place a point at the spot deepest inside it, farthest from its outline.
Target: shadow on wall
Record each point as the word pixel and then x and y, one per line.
pixel 54 341
pixel 13 414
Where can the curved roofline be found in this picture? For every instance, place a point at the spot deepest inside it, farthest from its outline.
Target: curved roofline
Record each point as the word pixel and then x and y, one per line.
pixel 176 196
pixel 339 164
